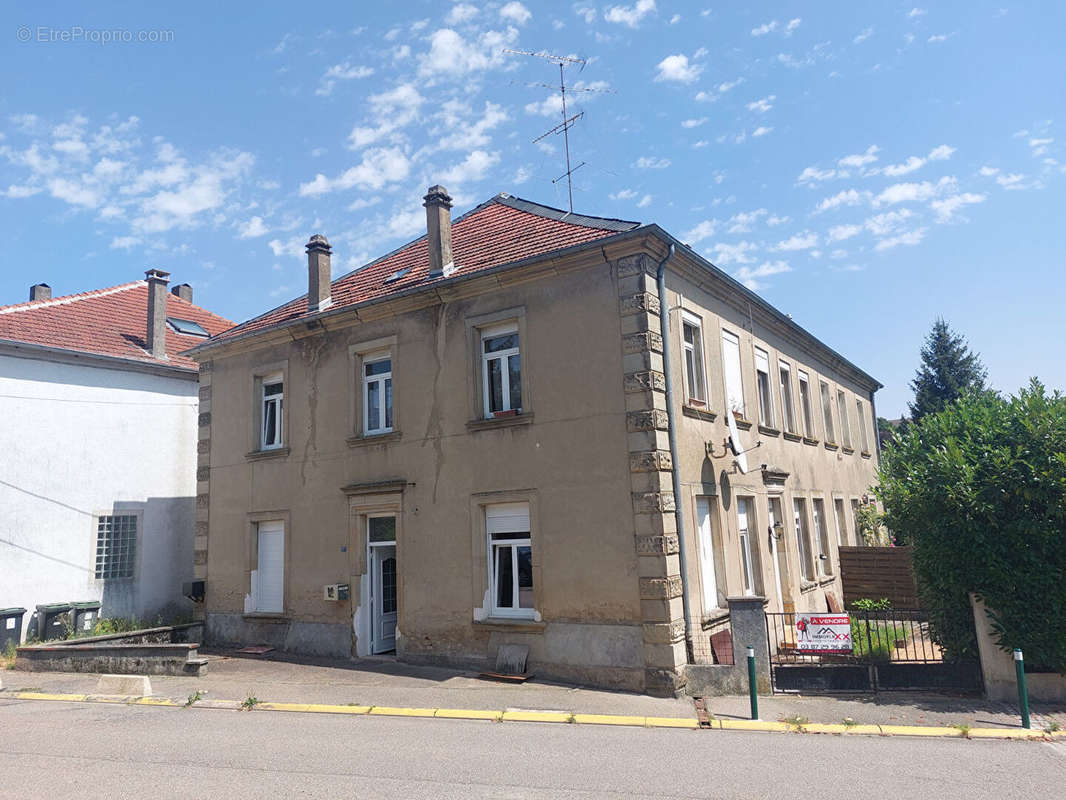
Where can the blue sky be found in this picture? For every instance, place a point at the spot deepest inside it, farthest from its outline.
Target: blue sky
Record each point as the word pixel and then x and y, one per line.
pixel 866 167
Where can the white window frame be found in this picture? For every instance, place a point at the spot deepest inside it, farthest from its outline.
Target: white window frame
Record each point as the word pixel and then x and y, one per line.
pixel 749 580
pixel 708 555
pixel 803 538
pixel 692 356
pixel 385 397
pixel 826 397
pixel 764 388
pixel 859 541
pixel 805 404
pixel 842 412
pixel 506 518
pixel 788 406
pixel 505 374
pixel 279 417
pixel 842 521
pixel 821 529
pixel 863 438
pixel 732 374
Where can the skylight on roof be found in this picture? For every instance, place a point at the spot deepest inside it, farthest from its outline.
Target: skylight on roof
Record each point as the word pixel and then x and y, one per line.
pixel 187 327
pixel 397 275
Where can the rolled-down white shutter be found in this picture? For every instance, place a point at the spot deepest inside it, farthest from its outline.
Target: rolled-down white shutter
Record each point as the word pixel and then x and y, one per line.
pixel 507 518
pixel 270 593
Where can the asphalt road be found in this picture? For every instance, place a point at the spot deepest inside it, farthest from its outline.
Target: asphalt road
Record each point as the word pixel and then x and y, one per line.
pixel 76 750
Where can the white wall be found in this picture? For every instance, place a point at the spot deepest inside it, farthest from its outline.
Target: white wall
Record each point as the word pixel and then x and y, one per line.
pixel 79 441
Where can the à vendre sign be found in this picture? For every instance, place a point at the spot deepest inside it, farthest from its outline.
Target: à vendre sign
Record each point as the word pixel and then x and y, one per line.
pixel 823 633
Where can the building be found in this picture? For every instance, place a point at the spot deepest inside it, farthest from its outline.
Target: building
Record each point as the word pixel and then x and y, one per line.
pixel 98 430
pixel 471 436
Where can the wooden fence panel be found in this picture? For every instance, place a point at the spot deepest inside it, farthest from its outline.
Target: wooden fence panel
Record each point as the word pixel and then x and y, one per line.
pixel 877 572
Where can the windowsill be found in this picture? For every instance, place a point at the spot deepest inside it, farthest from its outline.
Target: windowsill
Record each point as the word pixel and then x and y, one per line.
pixel 499 422
pixel 515 624
pixel 848 450
pixel 265 616
pixel 262 455
pixel 766 429
pixel 374 438
pixel 831 446
pixel 828 579
pixel 792 437
pixel 712 618
pixel 809 440
pixel 807 586
pixel 698 413
pixel 742 424
pixel 865 454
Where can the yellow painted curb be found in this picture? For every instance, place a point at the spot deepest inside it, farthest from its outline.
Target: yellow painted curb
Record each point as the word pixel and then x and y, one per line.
pixel 154 701
pixel 863 730
pixel 998 733
pixel 916 730
pixel 388 711
pixel 70 698
pixel 468 713
pixel 536 716
pixel 671 722
pixel 312 708
pixel 609 719
pixel 751 725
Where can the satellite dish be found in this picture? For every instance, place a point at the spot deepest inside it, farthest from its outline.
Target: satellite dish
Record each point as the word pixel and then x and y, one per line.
pixel 734 444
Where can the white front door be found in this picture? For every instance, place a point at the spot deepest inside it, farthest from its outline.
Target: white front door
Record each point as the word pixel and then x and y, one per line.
pixel 270 573
pixel 383 597
pixel 774 522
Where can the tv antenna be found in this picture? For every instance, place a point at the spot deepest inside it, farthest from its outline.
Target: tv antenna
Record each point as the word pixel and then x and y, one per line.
pixel 568 122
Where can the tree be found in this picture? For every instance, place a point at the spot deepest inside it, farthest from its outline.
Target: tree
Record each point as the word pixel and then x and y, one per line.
pixel 948 370
pixel 979 488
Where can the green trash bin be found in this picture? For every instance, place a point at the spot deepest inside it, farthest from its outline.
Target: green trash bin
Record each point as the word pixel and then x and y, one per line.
pixel 86 615
pixel 11 626
pixel 53 621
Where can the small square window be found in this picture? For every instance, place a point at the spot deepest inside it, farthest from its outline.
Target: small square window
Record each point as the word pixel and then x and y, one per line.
pixel 116 546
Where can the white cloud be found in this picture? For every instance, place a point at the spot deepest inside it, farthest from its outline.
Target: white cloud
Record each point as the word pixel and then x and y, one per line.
pixel 207 189
pixel 916 12
pixel 644 202
pixel 742 222
pixel 390 111
pixel 940 153
pixel 652 162
pixel 739 253
pixel 516 12
pixel 676 18
pixel 914 192
pixel 16 192
pixel 1011 181
pixel 800 241
pixel 889 221
pixel 341 72
pixel 677 68
pixel 940 37
pixel 839 233
pixel 848 197
pixel 792 25
pixel 452 56
pixel 705 230
pixel 750 276
pixel 988 172
pixel 910 238
pixel 815 175
pixel 863 35
pixel 623 194
pixel 858 160
pixel 693 123
pixel 587 13
pixel 765 28
pixel 253 228
pixel 465 132
pixel 521 175
pixel 762 130
pixel 380 166
pixel 1040 146
pixel 773 220
pixel 460 13
pixel 763 105
pixel 473 168
pixel 629 15
pixel 947 208
pixel 124 242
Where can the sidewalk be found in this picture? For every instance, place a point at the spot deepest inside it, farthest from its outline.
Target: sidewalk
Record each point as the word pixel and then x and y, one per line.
pixel 277 678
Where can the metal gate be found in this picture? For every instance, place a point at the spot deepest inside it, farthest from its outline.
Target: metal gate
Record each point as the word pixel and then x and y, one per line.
pixel 889 650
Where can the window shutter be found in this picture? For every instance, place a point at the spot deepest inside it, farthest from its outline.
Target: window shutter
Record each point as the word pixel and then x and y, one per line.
pixel 507 518
pixel 271 575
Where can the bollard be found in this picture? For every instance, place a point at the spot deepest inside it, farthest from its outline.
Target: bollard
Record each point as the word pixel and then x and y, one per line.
pixel 751 683
pixel 1023 694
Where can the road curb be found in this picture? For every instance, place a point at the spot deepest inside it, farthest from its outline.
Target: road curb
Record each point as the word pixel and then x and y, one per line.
pixel 516 715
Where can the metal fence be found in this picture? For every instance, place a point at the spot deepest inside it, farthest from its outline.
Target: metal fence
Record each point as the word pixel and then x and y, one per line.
pixel 896 636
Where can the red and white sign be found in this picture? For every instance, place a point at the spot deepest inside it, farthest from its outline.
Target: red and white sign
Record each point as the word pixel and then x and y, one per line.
pixel 823 633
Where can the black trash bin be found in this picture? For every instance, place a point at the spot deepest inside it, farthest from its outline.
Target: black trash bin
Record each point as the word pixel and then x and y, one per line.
pixel 11 626
pixel 86 615
pixel 53 621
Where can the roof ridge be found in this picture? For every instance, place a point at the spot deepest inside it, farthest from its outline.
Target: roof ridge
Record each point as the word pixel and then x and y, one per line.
pixel 561 215
pixel 30 305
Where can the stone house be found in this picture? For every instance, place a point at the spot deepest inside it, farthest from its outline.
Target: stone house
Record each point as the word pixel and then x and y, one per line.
pixel 475 440
pixel 98 430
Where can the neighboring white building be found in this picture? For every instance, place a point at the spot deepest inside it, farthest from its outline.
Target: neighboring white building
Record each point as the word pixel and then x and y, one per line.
pixel 98 431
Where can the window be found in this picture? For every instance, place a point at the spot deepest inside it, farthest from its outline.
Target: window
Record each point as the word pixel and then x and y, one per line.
pixel 855 523
pixel 510 559
pixel 805 404
pixel 747 563
pixel 787 407
pixel 825 567
pixel 803 538
pixel 187 327
pixel 827 411
pixel 734 384
pixel 762 379
pixel 273 393
pixel 501 370
pixel 862 427
pixel 708 561
pixel 842 523
pixel 116 546
pixel 692 345
pixel 842 410
pixel 270 568
pixel 377 394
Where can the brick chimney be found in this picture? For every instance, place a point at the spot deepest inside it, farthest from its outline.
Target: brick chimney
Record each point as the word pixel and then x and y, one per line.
pixel 184 291
pixel 438 205
pixel 41 291
pixel 318 273
pixel 157 312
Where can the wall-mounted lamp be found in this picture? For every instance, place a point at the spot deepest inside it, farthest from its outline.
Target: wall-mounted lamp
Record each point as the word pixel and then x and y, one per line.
pixel 777 530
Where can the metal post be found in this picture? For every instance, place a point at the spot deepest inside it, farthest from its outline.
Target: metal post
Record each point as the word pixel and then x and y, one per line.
pixel 1023 694
pixel 752 685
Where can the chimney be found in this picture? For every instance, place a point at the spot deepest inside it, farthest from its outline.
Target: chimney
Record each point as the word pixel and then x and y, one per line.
pixel 318 273
pixel 184 291
pixel 157 312
pixel 439 227
pixel 41 291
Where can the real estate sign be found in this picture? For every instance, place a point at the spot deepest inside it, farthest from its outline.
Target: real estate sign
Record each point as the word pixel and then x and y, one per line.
pixel 823 633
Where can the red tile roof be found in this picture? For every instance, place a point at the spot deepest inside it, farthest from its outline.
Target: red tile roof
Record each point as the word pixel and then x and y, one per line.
pixel 500 231
pixel 109 322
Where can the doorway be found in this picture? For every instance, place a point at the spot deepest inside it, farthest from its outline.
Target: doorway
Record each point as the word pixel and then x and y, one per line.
pixel 381 562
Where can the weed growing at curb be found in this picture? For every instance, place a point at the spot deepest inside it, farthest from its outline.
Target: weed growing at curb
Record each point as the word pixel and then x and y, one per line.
pixel 36 689
pixel 963 729
pixel 797 722
pixel 352 704
pixel 250 702
pixel 571 719
pixel 195 696
pixel 849 722
pixel 1052 727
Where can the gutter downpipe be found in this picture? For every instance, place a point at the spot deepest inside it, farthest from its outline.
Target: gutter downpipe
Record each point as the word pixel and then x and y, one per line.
pixel 675 475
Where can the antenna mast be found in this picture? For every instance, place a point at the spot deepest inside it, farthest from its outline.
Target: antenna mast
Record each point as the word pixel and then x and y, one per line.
pixel 568 122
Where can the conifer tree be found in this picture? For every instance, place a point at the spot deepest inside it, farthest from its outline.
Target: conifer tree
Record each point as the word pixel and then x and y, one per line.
pixel 948 370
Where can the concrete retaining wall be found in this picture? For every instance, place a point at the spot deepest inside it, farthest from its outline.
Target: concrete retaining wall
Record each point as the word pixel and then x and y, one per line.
pixel 997 667
pixel 747 622
pixel 129 659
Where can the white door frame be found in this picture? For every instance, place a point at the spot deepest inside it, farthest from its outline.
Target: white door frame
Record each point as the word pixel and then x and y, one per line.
pixel 375 555
pixel 772 518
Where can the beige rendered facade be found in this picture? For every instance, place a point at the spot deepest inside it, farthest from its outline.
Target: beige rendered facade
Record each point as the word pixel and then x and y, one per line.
pixel 483 459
